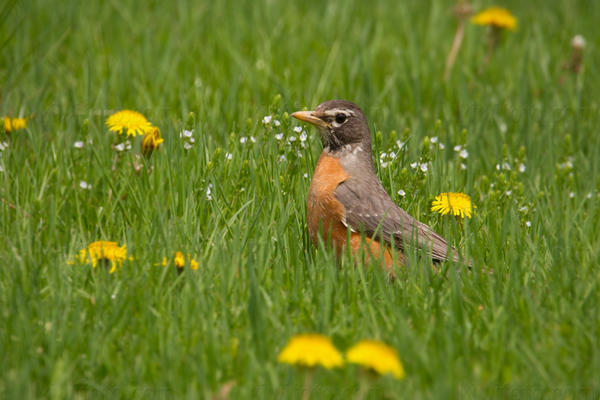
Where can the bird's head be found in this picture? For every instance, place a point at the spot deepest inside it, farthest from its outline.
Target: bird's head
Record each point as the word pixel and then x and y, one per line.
pixel 340 122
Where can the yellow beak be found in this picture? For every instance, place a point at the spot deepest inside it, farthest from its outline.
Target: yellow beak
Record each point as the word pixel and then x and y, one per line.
pixel 309 116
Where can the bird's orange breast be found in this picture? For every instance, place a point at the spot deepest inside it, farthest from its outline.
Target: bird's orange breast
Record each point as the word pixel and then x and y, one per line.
pixel 325 214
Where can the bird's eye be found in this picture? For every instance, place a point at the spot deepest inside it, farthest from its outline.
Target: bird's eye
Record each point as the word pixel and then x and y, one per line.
pixel 340 118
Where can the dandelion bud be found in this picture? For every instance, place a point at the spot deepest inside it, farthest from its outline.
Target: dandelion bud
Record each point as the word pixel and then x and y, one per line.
pixel 151 141
pixel 276 100
pixel 426 142
pixel 567 143
pixel 405 134
pixel 378 136
pixel 191 121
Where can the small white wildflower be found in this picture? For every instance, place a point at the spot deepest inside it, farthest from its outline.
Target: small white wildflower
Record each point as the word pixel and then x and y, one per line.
pixel 78 144
pixel 508 192
pixel 528 224
pixel 85 185
pixel 523 209
pixel 506 166
pixel 498 167
pixel 127 145
pixel 292 139
pixel 384 164
pixel 463 154
pixel 282 158
pixel 252 139
pixel 276 122
pixel 305 175
pixel 242 189
pixel 434 139
pixel 401 192
pixel 424 167
pixel 589 195
pixel 568 164
pixel 120 147
pixel 457 148
pixel 228 156
pixel 442 146
pixel 299 154
pixel 187 146
pixel 267 119
pixel 521 168
pixel 209 191
pixel 392 155
pixel 382 156
pixel 186 133
pixel 303 136
pixel 297 129
pixel 279 136
pixel 3 146
pixel 502 127
pixel 572 195
pixel 243 139
pixel 414 165
pixel 192 140
pixel 463 166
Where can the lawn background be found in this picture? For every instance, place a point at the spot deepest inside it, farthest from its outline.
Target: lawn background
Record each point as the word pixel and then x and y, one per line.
pixel 523 323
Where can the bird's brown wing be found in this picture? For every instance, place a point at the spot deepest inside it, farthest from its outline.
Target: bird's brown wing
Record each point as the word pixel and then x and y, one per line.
pixel 370 209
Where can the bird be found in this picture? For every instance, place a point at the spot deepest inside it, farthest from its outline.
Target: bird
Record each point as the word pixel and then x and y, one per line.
pixel 346 195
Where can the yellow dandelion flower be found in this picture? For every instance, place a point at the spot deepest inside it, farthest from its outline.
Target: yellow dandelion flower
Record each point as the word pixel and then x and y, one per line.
pixel 179 260
pixel 497 17
pixel 132 122
pixel 103 250
pixel 14 124
pixel 310 350
pixel 377 356
pixel 458 204
pixel 193 264
pixel 152 141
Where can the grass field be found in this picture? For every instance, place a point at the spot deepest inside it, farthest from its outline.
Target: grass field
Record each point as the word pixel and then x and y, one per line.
pixel 524 323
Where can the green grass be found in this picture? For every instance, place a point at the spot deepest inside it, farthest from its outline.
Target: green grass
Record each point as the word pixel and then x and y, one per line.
pixel 523 323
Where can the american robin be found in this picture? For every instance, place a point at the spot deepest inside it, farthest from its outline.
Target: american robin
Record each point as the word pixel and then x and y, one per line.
pixel 345 193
